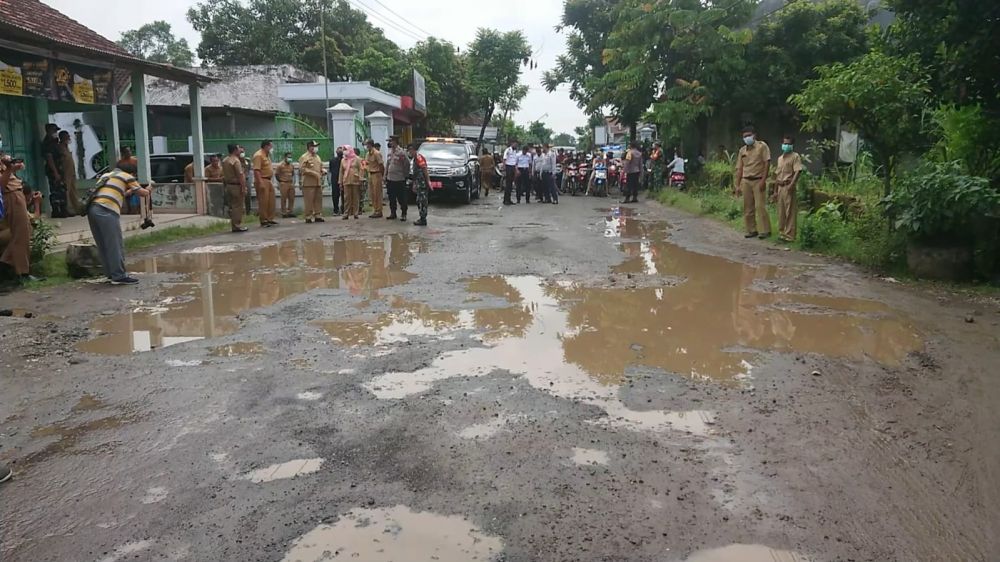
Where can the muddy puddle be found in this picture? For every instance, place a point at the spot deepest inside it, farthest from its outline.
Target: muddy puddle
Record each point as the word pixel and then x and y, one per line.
pixel 713 322
pixel 396 534
pixel 217 283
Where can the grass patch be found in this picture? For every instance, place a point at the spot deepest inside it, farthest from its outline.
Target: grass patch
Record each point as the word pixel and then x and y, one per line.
pixel 174 234
pixel 865 239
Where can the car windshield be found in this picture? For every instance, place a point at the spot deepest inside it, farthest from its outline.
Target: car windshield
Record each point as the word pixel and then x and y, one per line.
pixel 443 151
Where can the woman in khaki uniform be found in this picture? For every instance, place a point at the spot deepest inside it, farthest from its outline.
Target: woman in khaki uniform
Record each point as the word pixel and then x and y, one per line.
pixel 17 254
pixel 350 178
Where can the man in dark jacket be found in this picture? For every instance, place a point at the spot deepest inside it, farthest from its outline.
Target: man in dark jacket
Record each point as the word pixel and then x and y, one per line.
pixel 334 179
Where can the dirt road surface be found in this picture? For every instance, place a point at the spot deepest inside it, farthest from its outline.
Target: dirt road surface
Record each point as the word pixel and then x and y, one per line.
pixel 579 382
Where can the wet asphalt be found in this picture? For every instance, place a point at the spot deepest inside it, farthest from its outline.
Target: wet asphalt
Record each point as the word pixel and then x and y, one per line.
pixel 571 382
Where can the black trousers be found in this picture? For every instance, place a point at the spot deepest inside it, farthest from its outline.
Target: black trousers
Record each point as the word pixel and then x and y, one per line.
pixel 524 184
pixel 397 196
pixel 632 186
pixel 336 196
pixel 508 182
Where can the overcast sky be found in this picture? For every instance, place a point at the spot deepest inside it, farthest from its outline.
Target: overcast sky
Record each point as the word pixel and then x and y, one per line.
pixel 454 20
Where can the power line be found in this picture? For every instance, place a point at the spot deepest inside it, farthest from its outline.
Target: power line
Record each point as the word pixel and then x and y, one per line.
pixel 393 12
pixel 385 21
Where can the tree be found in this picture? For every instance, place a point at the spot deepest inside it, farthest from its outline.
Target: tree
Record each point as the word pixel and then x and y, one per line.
pixel 956 41
pixel 789 45
pixel 288 32
pixel 494 66
pixel 446 74
pixel 688 55
pixel 598 81
pixel 156 42
pixel 584 138
pixel 564 139
pixel 538 133
pixel 881 95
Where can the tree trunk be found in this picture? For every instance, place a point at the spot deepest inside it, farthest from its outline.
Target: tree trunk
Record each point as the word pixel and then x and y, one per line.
pixel 482 130
pixel 632 128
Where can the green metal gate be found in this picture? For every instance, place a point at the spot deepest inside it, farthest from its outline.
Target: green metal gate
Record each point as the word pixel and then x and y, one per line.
pixel 17 125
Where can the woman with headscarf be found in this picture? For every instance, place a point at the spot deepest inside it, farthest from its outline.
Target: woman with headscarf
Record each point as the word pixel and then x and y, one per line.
pixel 350 178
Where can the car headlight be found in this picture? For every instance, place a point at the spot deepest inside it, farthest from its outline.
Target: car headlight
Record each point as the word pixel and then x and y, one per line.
pixel 458 171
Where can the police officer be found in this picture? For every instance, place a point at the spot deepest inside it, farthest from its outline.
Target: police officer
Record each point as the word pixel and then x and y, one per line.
pixel 285 172
pixel 311 173
pixel 752 167
pixel 263 182
pixel 421 183
pixel 397 170
pixel 235 180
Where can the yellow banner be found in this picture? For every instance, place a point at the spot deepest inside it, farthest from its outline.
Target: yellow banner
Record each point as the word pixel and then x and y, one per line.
pixel 11 82
pixel 83 89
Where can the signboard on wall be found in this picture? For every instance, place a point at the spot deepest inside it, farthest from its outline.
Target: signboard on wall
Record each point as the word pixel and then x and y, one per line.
pixel 32 76
pixel 419 92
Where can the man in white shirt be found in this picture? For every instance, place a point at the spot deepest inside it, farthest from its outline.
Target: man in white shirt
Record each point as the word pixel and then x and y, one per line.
pixel 510 170
pixel 546 165
pixel 523 175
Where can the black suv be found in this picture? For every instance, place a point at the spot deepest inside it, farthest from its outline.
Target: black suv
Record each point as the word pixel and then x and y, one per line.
pixel 453 167
pixel 166 168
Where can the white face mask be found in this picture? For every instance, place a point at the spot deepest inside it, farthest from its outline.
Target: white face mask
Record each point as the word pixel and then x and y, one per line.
pixel 312 150
pixel 749 140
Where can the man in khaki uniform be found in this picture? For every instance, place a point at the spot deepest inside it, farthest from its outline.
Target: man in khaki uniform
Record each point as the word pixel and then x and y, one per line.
pixel 752 168
pixel 67 167
pixel 285 172
pixel 787 175
pixel 376 174
pixel 235 180
pixel 263 174
pixel 311 175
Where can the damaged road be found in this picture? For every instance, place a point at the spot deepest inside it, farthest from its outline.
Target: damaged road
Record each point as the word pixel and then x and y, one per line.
pixel 581 382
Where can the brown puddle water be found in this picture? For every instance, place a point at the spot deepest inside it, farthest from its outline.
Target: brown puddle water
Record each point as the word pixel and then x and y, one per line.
pixel 577 342
pixel 219 283
pixel 395 534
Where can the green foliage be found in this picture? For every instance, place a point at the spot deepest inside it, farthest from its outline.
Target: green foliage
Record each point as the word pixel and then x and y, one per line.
pixel 446 75
pixel 494 70
pixel 956 40
pixel 938 202
pixel 156 42
pixel 882 96
pixel 538 133
pixel 821 228
pixel 718 173
pixel 43 239
pixel 966 135
pixel 789 45
pixel 564 139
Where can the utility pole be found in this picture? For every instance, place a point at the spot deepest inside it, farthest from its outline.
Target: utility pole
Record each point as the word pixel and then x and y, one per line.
pixel 326 75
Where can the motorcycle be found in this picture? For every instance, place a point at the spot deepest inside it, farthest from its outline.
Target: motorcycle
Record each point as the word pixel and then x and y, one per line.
pixel 678 180
pixel 582 174
pixel 614 178
pixel 601 180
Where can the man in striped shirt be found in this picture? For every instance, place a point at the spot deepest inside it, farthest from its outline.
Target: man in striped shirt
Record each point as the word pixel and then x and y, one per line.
pixel 104 214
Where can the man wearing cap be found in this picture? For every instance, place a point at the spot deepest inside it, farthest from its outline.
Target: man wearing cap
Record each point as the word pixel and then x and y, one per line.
pixel 263 174
pixel 397 170
pixel 376 173
pixel 311 173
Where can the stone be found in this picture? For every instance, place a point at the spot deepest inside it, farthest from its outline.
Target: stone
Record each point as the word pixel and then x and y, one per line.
pixel 83 261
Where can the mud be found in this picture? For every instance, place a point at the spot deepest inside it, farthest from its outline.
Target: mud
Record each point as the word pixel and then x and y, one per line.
pixel 394 535
pixel 212 285
pixel 512 384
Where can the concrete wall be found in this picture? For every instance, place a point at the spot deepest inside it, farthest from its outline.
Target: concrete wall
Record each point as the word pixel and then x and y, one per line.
pixel 174 198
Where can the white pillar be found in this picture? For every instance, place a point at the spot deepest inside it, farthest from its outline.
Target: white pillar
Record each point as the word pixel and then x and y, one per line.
pixel 380 125
pixel 141 119
pixel 342 117
pixel 197 142
pixel 114 136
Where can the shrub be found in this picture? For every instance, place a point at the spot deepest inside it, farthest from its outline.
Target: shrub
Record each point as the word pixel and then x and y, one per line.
pixel 822 229
pixel 937 202
pixel 43 239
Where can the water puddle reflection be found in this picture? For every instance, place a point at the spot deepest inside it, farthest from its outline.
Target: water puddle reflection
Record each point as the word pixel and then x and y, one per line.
pixel 219 283
pixel 395 534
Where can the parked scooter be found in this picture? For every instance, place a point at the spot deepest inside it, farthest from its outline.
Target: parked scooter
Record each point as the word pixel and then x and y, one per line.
pixel 600 180
pixel 678 180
